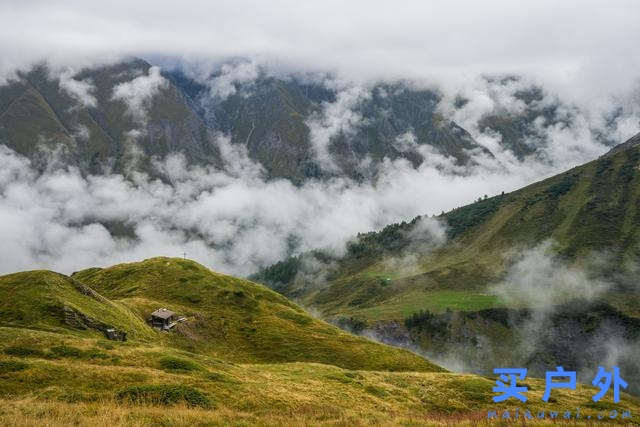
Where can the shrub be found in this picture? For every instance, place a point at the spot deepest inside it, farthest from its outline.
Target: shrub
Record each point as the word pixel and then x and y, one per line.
pixel 352 324
pixel 65 351
pixel 461 219
pixel 177 364
pixel 280 272
pixel 561 187
pixel 420 318
pixel 7 366
pixel 21 351
pixel 376 391
pixel 161 394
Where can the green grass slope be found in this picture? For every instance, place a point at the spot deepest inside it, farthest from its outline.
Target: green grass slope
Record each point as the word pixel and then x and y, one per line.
pixel 593 208
pixel 53 302
pixel 245 355
pixel 60 379
pixel 238 320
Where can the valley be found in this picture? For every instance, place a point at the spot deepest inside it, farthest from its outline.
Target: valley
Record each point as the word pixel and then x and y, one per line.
pixel 564 250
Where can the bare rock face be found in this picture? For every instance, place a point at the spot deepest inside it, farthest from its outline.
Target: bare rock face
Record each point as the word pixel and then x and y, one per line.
pixel 85 290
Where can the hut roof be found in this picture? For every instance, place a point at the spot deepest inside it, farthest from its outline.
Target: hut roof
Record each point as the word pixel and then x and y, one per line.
pixel 163 313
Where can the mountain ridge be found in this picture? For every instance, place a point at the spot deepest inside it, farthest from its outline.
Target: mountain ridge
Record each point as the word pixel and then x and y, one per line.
pixel 270 116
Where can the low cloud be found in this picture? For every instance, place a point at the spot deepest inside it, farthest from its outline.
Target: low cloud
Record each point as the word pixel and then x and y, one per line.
pixel 80 90
pixel 231 74
pixel 231 219
pixel 138 93
pixel 538 278
pixel 339 117
pixel 558 131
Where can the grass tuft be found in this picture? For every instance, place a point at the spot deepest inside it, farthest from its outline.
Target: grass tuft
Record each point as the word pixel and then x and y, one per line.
pixel 21 351
pixel 7 366
pixel 165 395
pixel 176 364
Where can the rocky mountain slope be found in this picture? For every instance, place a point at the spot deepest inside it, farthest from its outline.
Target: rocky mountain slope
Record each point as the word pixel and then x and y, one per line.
pixel 96 127
pixel 281 120
pixel 115 117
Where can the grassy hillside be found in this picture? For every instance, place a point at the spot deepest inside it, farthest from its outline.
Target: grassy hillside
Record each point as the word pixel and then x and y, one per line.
pixel 45 300
pixel 441 300
pixel 245 355
pixel 226 317
pixel 591 209
pixel 52 379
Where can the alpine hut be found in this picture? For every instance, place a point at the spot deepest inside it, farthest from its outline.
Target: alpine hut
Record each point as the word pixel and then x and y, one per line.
pixel 163 319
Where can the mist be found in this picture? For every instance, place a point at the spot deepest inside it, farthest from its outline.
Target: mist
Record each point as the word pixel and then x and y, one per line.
pixel 231 219
pixel 556 315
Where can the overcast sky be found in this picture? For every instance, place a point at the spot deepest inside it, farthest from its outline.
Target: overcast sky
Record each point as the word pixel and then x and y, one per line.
pixel 587 45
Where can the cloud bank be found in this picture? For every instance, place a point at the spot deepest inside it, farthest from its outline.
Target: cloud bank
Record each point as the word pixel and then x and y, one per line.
pixel 232 220
pixel 539 279
pixel 588 49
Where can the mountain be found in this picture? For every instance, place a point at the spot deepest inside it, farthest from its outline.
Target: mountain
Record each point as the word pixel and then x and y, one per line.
pixel 243 354
pixel 272 117
pixel 577 233
pixel 518 130
pixel 116 117
pixel 590 208
pixel 96 131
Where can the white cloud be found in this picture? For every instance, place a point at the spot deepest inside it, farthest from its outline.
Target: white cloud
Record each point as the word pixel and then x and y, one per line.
pixel 577 48
pixel 571 49
pixel 233 221
pixel 82 133
pixel 339 117
pixel 539 278
pixel 138 93
pixel 406 142
pixel 224 84
pixel 81 90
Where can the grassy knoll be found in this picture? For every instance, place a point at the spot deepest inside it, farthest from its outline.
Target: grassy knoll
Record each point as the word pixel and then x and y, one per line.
pixel 239 320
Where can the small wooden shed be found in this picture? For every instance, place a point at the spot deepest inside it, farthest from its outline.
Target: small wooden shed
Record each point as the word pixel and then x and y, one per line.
pixel 163 318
